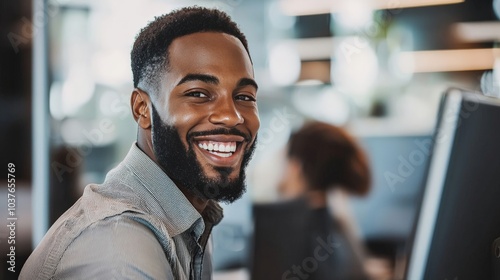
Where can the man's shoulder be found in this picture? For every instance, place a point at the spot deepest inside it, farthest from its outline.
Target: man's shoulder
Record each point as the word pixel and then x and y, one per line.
pixel 104 247
pixel 92 229
pixel 97 205
pixel 118 235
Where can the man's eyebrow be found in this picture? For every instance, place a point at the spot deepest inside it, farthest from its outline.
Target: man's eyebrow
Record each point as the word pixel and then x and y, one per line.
pixel 247 82
pixel 209 79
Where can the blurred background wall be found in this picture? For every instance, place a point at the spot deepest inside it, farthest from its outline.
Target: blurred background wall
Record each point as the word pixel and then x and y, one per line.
pixel 377 68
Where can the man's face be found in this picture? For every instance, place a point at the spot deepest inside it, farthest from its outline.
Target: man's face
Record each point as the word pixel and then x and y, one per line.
pixel 205 118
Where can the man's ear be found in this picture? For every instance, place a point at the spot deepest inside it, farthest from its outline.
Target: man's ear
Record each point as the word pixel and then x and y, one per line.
pixel 140 102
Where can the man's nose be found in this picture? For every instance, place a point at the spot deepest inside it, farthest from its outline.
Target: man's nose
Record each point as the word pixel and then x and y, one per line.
pixel 225 113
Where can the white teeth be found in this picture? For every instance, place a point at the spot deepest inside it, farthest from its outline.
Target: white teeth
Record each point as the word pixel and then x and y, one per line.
pixel 222 149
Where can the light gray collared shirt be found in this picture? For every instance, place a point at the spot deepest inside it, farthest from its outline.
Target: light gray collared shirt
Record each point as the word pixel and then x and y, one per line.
pixel 136 225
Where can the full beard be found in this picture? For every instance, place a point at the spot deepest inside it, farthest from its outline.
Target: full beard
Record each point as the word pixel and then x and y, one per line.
pixel 186 171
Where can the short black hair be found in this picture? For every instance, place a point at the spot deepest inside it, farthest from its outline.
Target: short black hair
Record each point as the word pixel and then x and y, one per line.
pixel 149 56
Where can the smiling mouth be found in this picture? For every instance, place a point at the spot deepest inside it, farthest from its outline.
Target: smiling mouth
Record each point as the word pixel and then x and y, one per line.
pixel 221 149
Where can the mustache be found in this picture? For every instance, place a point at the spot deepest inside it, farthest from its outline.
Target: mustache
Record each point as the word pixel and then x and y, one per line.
pixel 219 131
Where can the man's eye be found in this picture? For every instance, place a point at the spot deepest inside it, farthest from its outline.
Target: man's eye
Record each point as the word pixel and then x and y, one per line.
pixel 245 98
pixel 197 94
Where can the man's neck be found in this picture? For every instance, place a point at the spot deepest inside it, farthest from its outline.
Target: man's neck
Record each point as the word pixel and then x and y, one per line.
pixel 198 203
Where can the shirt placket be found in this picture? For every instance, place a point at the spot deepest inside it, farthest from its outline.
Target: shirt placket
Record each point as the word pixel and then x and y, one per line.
pixel 197 259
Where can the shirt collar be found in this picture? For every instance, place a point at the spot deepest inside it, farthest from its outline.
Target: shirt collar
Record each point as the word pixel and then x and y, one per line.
pixel 177 212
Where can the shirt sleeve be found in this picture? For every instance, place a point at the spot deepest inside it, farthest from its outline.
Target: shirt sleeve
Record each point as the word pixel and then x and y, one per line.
pixel 115 248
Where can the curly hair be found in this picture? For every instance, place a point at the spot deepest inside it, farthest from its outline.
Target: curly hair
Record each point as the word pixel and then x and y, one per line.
pixel 149 55
pixel 330 157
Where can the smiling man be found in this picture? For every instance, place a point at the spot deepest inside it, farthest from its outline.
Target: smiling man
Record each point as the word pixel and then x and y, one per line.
pixel 195 105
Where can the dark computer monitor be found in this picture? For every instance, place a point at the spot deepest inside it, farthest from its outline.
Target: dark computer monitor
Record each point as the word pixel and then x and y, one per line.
pixel 398 165
pixel 459 216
